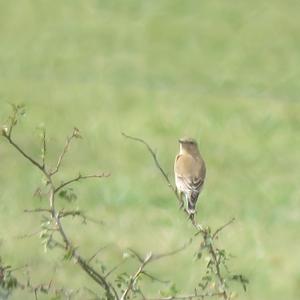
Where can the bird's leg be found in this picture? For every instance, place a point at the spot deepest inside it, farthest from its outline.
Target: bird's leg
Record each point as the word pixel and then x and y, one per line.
pixel 191 216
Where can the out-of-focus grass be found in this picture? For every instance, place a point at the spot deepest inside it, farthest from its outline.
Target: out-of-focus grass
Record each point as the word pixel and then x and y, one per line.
pixel 226 73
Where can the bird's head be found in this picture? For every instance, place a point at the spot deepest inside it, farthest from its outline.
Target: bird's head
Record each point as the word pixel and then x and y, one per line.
pixel 188 145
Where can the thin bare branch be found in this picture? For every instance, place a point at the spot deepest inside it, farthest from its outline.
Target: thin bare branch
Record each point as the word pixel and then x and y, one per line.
pixel 23 153
pixel 155 278
pixel 135 277
pixel 186 297
pixel 154 156
pixel 137 255
pixel 75 134
pixel 44 147
pixel 150 257
pixel 80 177
pixel 28 235
pixel 215 234
pixel 76 213
pixel 92 293
pixel 96 253
pixel 159 256
pixel 37 210
pixel 165 176
pixel 114 268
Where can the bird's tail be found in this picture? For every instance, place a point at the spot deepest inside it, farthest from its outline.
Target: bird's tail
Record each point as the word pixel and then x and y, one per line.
pixel 191 208
pixel 192 203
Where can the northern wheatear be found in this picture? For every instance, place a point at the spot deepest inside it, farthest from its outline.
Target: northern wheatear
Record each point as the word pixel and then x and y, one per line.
pixel 190 170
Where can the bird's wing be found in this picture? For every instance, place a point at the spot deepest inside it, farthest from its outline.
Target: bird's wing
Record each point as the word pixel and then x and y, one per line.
pixel 190 171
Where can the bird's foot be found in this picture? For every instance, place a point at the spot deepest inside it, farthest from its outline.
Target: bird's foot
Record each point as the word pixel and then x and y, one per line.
pixel 190 216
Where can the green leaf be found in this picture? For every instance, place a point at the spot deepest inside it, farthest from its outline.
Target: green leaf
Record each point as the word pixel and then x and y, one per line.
pixel 69 254
pixel 242 279
pixel 170 291
pixel 68 195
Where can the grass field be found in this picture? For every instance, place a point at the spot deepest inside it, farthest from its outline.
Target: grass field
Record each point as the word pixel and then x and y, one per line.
pixel 224 72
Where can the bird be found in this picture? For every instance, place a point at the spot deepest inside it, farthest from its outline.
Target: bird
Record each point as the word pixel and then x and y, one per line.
pixel 190 172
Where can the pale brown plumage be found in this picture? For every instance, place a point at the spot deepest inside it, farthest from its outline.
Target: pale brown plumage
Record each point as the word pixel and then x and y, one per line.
pixel 190 171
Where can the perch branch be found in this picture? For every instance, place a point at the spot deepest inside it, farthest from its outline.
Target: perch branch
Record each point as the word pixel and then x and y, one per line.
pixel 205 232
pixel 163 173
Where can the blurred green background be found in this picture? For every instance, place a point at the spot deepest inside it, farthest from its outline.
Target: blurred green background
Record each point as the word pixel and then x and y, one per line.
pixel 224 72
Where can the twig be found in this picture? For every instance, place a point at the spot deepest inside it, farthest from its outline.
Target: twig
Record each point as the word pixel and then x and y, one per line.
pixel 33 161
pixel 96 253
pixel 44 147
pixel 134 278
pixel 80 177
pixel 163 173
pixel 155 278
pixel 74 134
pixel 28 235
pixel 37 210
pixel 150 257
pixel 92 293
pixel 159 256
pixel 114 269
pixel 185 297
pixel 137 255
pixel 215 234
pixel 77 213
pixel 154 158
